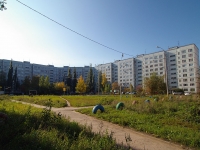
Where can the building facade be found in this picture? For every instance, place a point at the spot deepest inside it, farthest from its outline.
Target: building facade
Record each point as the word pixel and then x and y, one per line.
pixel 178 65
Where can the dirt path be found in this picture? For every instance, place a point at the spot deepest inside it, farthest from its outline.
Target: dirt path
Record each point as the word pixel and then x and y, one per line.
pixel 136 140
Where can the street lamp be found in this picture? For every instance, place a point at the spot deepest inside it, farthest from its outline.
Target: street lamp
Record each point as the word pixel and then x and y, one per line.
pixel 166 78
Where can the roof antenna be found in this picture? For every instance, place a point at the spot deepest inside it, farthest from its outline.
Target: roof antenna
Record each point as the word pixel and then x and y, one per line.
pixel 178 43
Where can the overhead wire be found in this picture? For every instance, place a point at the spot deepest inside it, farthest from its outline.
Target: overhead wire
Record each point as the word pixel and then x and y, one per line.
pixel 73 30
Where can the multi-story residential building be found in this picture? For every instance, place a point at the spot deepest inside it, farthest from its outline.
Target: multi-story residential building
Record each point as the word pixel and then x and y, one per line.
pixel 178 65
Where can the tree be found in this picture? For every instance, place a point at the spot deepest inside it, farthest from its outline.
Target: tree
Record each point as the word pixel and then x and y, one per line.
pixel 2 79
pixel 154 85
pixel 58 86
pixel 131 88
pixel 69 80
pixel 10 77
pixel 115 87
pixel 41 85
pixel 74 81
pixel 35 83
pixel 90 81
pixel 25 87
pixel 139 89
pixel 15 81
pixel 81 86
pixel 107 88
pixel 99 81
pixel 104 81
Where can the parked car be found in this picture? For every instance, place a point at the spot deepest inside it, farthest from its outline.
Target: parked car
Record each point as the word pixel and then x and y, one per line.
pixel 177 93
pixel 187 93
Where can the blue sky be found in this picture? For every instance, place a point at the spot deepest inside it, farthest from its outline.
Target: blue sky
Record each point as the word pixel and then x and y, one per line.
pixel 131 26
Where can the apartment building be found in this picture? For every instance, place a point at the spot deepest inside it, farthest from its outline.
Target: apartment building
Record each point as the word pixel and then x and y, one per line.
pixel 179 65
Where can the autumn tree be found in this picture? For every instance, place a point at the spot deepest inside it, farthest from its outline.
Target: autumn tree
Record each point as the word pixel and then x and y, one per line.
pixel 107 88
pixel 103 82
pixel 154 84
pixel 115 86
pixel 131 88
pixel 139 89
pixel 58 86
pixel 90 81
pixel 99 81
pixel 81 86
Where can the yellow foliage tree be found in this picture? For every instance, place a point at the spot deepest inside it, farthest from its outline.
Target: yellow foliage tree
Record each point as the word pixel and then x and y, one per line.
pixel 81 86
pixel 104 81
pixel 59 86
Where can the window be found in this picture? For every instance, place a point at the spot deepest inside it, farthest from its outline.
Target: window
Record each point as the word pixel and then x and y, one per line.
pixel 190 60
pixel 160 64
pixel 178 53
pixel 183 51
pixel 147 74
pixel 160 60
pixel 190 64
pixel 183 61
pixel 190 55
pixel 155 65
pixel 185 84
pixel 173 78
pixel 173 68
pixel 191 79
pixel 151 66
pixel 161 68
pixel 173 73
pixel 160 56
pixel 191 69
pixel 184 70
pixel 146 66
pixel 155 61
pixel 155 57
pixel 151 69
pixel 172 55
pixel 161 72
pixel 183 56
pixel 147 70
pixel 139 65
pixel 189 50
pixel 191 84
pixel 172 60
pixel 184 75
pixel 173 82
pixel 191 74
pixel 184 80
pixel 156 69
pixel 184 65
pixel 173 65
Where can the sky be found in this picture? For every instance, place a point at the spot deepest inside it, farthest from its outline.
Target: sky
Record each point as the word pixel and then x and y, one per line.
pixel 128 27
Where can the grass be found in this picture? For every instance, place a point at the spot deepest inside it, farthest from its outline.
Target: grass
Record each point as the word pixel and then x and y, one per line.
pixel 42 100
pixel 91 100
pixel 175 119
pixel 34 128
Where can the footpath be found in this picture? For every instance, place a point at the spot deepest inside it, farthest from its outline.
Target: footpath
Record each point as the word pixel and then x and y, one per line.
pixel 136 140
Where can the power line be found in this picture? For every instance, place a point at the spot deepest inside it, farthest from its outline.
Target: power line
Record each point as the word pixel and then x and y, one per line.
pixel 73 30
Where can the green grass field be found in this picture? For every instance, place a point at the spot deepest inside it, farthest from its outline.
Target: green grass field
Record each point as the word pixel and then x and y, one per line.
pixel 175 119
pixel 57 101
